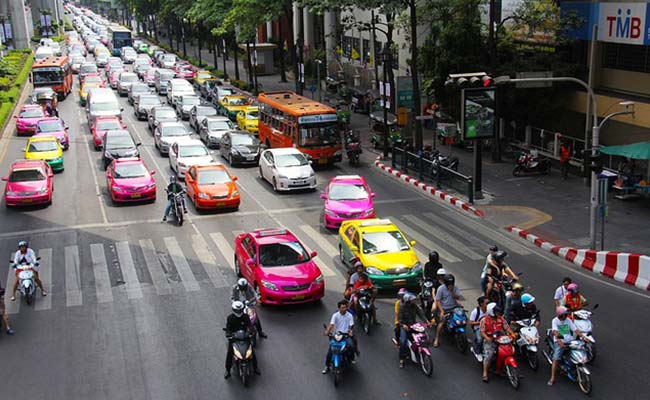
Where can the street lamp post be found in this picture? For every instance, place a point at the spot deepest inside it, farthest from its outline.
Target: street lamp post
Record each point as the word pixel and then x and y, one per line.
pixel 385 59
pixel 318 66
pixel 4 36
pixel 183 37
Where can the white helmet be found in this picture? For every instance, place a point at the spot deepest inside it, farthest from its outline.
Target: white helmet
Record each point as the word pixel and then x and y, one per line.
pixel 490 309
pixel 242 283
pixel 238 308
pixel 409 297
pixel 441 271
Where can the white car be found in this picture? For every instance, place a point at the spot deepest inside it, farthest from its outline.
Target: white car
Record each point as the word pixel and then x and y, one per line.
pixel 287 169
pixel 183 154
pixel 167 133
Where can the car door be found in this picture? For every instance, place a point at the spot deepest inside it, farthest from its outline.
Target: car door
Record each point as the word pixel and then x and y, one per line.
pixel 109 178
pixel 346 241
pixel 240 120
pixel 156 137
pixel 193 117
pixel 173 156
pixel 266 163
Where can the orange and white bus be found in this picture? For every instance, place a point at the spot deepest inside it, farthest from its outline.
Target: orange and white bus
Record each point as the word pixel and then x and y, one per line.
pixel 55 72
pixel 289 120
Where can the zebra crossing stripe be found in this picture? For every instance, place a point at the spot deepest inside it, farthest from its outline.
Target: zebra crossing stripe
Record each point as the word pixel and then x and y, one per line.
pixel 208 261
pixel 11 307
pixel 224 248
pixel 445 237
pixel 133 290
pixel 321 242
pixel 182 266
pixel 152 262
pixel 100 271
pixel 429 245
pixel 45 273
pixel 73 295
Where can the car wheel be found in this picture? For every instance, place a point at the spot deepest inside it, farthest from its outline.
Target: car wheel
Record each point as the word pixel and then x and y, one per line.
pixel 274 184
pixel 230 160
pixel 259 170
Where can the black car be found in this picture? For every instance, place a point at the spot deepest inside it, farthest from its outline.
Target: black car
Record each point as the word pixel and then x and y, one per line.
pixel 199 113
pixel 161 114
pixel 118 144
pixel 240 147
pixel 205 88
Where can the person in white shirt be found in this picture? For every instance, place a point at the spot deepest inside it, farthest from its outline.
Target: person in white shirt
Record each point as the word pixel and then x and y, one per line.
pixel 475 318
pixel 561 291
pixel 25 255
pixel 564 331
pixel 341 321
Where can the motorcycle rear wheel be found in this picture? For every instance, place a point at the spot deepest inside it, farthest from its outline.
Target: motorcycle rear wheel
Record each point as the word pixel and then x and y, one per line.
pixel 337 377
pixel 533 360
pixel 517 171
pixel 461 342
pixel 513 376
pixel 366 322
pixel 29 298
pixel 584 382
pixel 426 364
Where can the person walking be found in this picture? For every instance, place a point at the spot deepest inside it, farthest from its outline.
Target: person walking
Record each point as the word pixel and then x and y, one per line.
pixel 565 157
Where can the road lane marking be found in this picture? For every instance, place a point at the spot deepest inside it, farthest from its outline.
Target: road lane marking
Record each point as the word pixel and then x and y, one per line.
pixel 73 295
pixel 45 273
pixel 428 244
pixel 133 290
pixel 224 248
pixel 182 266
pixel 500 239
pixel 209 261
pixel 321 242
pixel 100 271
pixel 445 237
pixel 457 230
pixel 158 276
pixel 93 168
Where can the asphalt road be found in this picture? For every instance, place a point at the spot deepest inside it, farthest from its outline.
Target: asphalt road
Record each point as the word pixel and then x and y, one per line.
pixel 121 323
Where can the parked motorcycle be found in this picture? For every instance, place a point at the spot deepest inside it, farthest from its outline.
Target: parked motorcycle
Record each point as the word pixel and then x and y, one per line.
pixel 340 355
pixel 177 207
pixel 504 358
pixel 26 282
pixel 528 341
pixel 364 303
pixel 243 354
pixel 573 363
pixel 426 298
pixel 438 160
pixel 582 320
pixel 526 164
pixel 455 326
pixel 419 348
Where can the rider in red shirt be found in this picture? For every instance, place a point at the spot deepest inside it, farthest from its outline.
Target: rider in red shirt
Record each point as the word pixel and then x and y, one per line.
pixel 492 323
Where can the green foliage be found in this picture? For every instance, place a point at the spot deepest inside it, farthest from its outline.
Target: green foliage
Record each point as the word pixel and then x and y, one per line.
pixel 22 64
pixel 5 110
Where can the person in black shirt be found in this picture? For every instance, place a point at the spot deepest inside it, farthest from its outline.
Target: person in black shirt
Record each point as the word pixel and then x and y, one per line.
pixel 432 266
pixel 172 188
pixel 237 321
pixel 524 309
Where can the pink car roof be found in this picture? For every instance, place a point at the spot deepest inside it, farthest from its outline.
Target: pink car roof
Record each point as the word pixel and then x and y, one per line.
pixel 348 179
pixel 274 235
pixel 26 164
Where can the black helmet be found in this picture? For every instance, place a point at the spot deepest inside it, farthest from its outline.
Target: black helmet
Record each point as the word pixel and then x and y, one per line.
pixel 434 257
pixel 497 310
pixel 494 248
pixel 500 255
pixel 449 279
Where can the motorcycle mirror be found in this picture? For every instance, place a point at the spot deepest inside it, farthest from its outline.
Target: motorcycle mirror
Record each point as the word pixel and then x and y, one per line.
pixel 38 258
pixel 250 262
pixel 322 195
pixel 595 307
pixel 373 195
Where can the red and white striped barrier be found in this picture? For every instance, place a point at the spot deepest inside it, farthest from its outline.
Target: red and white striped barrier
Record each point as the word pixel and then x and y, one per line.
pixel 633 269
pixel 430 190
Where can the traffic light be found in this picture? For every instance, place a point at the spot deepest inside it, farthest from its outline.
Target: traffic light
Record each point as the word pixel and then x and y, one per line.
pixel 487 81
pixel 469 80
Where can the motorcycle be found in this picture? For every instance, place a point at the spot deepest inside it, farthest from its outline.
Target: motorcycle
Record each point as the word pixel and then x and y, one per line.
pixel 353 147
pixel 177 207
pixel 252 314
pixel 526 164
pixel 419 348
pixel 582 320
pixel 243 354
pixel 26 282
pixel 438 160
pixel 426 298
pixel 364 308
pixel 573 363
pixel 528 340
pixel 455 325
pixel 504 358
pixel 340 355
pixel 502 290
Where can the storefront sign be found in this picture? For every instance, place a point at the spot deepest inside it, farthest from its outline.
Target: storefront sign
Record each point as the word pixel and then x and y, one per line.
pixel 627 23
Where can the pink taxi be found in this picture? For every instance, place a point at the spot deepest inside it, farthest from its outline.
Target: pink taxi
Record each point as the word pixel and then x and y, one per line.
pixel 278 267
pixel 27 118
pixel 184 70
pixel 29 182
pixel 54 126
pixel 129 180
pixel 114 77
pixel 101 126
pixel 347 197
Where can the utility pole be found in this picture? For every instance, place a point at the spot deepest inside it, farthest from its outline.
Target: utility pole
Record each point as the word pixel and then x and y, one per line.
pixel 374 49
pixel 384 90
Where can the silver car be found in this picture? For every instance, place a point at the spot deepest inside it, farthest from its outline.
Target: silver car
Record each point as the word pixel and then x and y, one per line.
pixel 125 81
pixel 212 129
pixel 167 133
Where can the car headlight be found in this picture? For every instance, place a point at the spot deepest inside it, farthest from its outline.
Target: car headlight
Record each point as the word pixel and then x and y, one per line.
pixel 280 176
pixel 269 285
pixel 234 194
pixel 180 164
pixel 43 190
pixel 318 280
pixel 338 153
pixel 203 196
pixel 108 155
pixel 330 213
pixel 417 267
pixel 369 211
pixel 234 152
pixel 151 186
pixel 10 193
pixel 374 271
pixel 117 189
pixel 312 173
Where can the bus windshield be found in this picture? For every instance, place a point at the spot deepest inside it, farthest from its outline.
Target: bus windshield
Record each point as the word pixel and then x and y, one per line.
pixel 48 75
pixel 323 134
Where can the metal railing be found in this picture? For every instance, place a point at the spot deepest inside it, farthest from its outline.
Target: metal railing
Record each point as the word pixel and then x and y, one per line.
pixel 440 175
pixel 547 143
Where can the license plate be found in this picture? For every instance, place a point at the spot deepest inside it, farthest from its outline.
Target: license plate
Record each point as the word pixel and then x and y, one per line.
pixel 221 203
pixel 399 282
pixel 298 297
pixel 322 161
pixel 28 200
pixel 136 195
pixel 250 158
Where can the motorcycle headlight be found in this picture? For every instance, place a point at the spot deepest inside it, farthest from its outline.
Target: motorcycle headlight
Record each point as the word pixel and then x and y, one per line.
pixel 249 352
pixel 417 267
pixel 374 271
pixel 318 280
pixel 203 196
pixel 269 285
pixel 237 353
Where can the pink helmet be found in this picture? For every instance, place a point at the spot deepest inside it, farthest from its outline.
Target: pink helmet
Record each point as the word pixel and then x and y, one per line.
pixel 561 311
pixel 573 288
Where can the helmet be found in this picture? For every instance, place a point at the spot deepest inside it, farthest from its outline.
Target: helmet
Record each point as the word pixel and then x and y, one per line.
pixel 497 310
pixel 494 248
pixel 449 279
pixel 573 288
pixel 22 243
pixel 434 257
pixel 490 309
pixel 358 264
pixel 527 298
pixel 242 283
pixel 517 286
pixel 172 178
pixel 238 308
pixel 500 255
pixel 409 297
pixel 401 293
pixel 441 271
pixel 561 311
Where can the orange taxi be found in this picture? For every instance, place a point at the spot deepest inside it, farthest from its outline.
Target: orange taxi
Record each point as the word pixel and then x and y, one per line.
pixel 211 187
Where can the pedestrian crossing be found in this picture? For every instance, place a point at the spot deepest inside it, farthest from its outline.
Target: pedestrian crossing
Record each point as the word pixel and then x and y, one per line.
pixel 123 270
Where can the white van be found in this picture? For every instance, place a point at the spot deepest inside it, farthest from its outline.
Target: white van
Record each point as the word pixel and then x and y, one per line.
pixel 176 88
pixel 43 52
pixel 102 103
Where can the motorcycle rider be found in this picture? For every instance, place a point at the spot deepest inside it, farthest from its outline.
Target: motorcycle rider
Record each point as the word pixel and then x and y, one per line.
pixel 525 309
pixel 561 291
pixel 498 271
pixel 173 188
pixel 432 266
pixel 447 298
pixel 563 330
pixel 515 296
pixel 489 260
pixel 353 278
pixel 398 303
pixel 25 255
pixel 492 323
pixel 237 321
pixel 408 314
pixel 341 321
pixel 363 283
pixel 243 292
pixel 574 300
pixel 475 318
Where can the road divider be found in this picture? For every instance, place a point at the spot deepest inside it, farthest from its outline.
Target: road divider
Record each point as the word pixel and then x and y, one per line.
pixel 632 269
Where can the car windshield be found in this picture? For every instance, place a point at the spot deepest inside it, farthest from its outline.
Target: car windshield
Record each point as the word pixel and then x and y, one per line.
pixel 129 53
pixel 127 171
pixel 244 140
pixel 26 175
pixel 282 254
pixel 383 242
pixel 48 145
pixel 166 114
pixel 206 111
pixel 88 69
pixel 174 131
pixel 191 101
pixel 108 106
pixel 347 192
pixel 213 177
pixel 48 75
pixel 32 113
pixel 220 125
pixel 169 57
pixel 50 126
pixel 226 91
pixel 252 115
pixel 129 78
pixel 149 100
pixel 237 102
pixel 204 76
pixel 192 151
pixel 141 61
pixel 290 160
pixel 78 60
pixel 93 79
pixel 119 141
pixel 323 134
pixel 140 88
pixel 108 125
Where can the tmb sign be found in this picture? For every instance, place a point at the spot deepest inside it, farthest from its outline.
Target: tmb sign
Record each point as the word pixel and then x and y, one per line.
pixel 623 22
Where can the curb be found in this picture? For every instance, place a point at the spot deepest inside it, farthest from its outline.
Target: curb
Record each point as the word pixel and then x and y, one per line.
pixel 632 269
pixel 430 190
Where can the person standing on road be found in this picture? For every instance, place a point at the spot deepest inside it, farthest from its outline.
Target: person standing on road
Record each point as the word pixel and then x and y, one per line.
pixel 565 157
pixel 561 291
pixel 3 312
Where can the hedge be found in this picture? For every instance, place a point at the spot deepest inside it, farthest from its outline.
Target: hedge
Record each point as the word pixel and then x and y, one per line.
pixel 9 97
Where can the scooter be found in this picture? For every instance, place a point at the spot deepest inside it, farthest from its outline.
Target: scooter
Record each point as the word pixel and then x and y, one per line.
pixel 455 325
pixel 504 358
pixel 26 282
pixel 418 345
pixel 526 164
pixel 426 298
pixel 353 150
pixel 573 363
pixel 528 341
pixel 582 320
pixel 340 355
pixel 364 308
pixel 243 354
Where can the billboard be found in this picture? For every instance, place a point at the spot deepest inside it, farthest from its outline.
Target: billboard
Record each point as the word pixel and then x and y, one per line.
pixel 478 108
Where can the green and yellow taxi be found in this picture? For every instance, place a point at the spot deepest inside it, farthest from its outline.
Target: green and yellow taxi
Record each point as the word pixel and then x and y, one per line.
pixel 203 76
pixel 46 148
pixel 83 92
pixel 248 120
pixel 384 251
pixel 230 106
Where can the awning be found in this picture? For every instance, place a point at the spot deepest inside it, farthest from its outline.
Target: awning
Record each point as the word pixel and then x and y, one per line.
pixel 639 151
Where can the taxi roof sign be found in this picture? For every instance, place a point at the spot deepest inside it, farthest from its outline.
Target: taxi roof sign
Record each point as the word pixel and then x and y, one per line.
pixel 271 232
pixel 347 177
pixel 376 222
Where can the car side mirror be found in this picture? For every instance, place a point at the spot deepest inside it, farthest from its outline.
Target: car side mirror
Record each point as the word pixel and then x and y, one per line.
pixel 250 262
pixel 310 162
pixel 313 254
pixel 15 116
pixel 234 178
pixel 373 195
pixel 323 196
pixel 108 174
pixel 5 178
pixel 23 149
pixel 121 109
pixel 50 174
pixel 67 128
pixel 413 243
pixel 138 144
pixel 354 248
pixel 152 172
